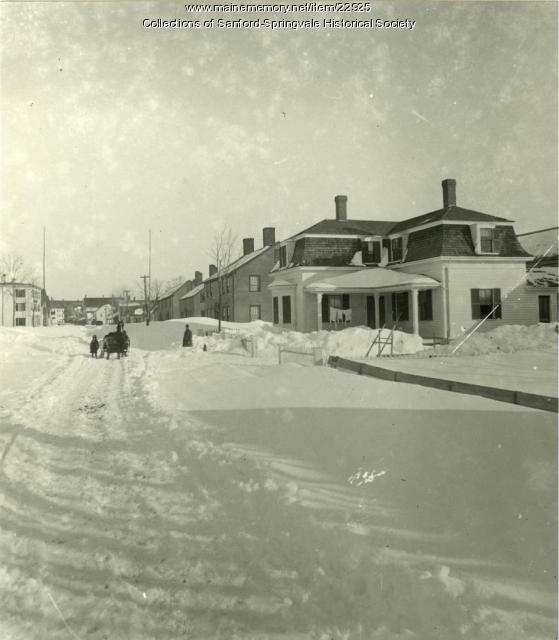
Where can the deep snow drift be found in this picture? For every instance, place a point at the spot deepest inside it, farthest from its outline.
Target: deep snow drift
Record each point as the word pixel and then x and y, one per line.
pixel 179 493
pixel 235 338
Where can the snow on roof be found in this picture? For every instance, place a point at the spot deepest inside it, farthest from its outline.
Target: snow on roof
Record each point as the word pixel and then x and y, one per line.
pixel 373 278
pixel 542 242
pixel 543 278
pixel 172 290
pixel 239 262
pixel 192 292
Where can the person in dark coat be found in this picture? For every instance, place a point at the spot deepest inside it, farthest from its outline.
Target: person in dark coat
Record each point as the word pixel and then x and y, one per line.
pixel 94 347
pixel 187 338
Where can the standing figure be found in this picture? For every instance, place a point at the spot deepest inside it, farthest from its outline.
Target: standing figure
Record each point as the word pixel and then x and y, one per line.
pixel 187 338
pixel 94 347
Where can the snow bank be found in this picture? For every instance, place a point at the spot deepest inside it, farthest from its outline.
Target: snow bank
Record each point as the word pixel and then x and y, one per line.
pixel 506 338
pixel 20 343
pixel 236 338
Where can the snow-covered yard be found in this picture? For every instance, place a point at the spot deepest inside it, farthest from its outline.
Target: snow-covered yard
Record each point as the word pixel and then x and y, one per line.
pixel 183 493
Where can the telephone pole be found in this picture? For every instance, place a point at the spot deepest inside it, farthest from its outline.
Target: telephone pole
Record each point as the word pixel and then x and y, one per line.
pixel 146 297
pixel 126 298
pixel 44 293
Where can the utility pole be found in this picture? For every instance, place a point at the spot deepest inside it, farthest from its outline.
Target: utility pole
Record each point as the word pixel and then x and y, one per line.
pixel 126 298
pixel 44 294
pixel 146 296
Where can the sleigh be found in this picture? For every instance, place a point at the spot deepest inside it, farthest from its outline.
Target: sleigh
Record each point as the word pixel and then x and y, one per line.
pixel 115 343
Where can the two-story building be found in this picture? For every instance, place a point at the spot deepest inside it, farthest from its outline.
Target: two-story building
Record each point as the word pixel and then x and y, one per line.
pixel 168 306
pixel 242 287
pixel 21 304
pixel 190 304
pixel 436 274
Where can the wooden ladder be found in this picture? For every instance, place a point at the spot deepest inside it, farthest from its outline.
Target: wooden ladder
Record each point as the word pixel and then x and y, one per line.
pixel 382 342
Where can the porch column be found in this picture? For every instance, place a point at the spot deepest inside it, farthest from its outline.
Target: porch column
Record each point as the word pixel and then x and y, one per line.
pixel 376 297
pixel 414 312
pixel 319 311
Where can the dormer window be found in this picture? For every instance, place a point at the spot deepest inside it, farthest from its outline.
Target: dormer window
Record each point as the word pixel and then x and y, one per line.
pixel 283 256
pixel 396 249
pixel 371 251
pixel 487 240
pixel 483 238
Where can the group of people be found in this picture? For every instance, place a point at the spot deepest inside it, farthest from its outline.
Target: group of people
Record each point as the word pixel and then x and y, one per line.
pixel 119 335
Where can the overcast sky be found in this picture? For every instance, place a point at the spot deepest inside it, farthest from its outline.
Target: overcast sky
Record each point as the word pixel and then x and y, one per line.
pixel 109 128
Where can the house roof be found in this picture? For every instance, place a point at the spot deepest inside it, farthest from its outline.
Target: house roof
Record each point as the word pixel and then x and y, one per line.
pixel 372 278
pixel 192 292
pixel 20 284
pixel 541 242
pixel 240 262
pixel 97 302
pixel 348 227
pixel 452 213
pixel 386 227
pixel 173 290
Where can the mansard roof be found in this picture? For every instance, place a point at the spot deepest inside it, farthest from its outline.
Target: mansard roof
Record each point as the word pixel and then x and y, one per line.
pixel 452 213
pixel 349 228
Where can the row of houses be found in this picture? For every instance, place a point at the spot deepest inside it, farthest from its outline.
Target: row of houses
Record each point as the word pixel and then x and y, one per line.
pixel 103 310
pixel 436 275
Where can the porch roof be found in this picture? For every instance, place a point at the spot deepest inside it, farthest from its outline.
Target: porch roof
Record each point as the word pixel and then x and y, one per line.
pixel 377 278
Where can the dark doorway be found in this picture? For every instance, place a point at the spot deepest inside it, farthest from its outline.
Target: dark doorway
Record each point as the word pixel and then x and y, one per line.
pixel 544 305
pixel 381 311
pixel 371 312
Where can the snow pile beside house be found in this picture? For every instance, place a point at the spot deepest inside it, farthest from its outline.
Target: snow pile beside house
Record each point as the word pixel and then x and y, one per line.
pixel 506 339
pixel 236 338
pixel 349 343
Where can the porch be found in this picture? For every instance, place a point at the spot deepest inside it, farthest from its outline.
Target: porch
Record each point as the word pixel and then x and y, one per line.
pixel 378 297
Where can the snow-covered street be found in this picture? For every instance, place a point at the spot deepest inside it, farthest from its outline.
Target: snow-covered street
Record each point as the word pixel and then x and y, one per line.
pixel 187 494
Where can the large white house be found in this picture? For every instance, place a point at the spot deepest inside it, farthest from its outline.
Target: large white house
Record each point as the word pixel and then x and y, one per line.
pixel 21 304
pixel 436 275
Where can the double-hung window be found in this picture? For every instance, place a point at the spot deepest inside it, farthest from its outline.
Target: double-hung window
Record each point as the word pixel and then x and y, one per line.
pixel 487 240
pixel 486 303
pixel 396 249
pixel 254 283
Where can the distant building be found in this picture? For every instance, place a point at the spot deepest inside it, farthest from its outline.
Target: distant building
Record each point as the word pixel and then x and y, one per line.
pixel 100 309
pixel 169 302
pixel 56 315
pixel 190 304
pixel 21 304
pixel 244 284
pixel 66 311
pixel 131 311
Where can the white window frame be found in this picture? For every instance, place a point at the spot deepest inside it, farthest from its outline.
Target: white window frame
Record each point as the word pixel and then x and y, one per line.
pixel 258 283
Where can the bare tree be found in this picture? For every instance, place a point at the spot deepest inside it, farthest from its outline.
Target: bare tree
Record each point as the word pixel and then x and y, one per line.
pixel 172 283
pixel 221 254
pixel 14 269
pixel 154 291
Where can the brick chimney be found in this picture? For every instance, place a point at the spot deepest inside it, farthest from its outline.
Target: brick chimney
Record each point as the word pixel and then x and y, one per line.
pixel 449 193
pixel 248 245
pixel 212 270
pixel 198 277
pixel 341 207
pixel 268 236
